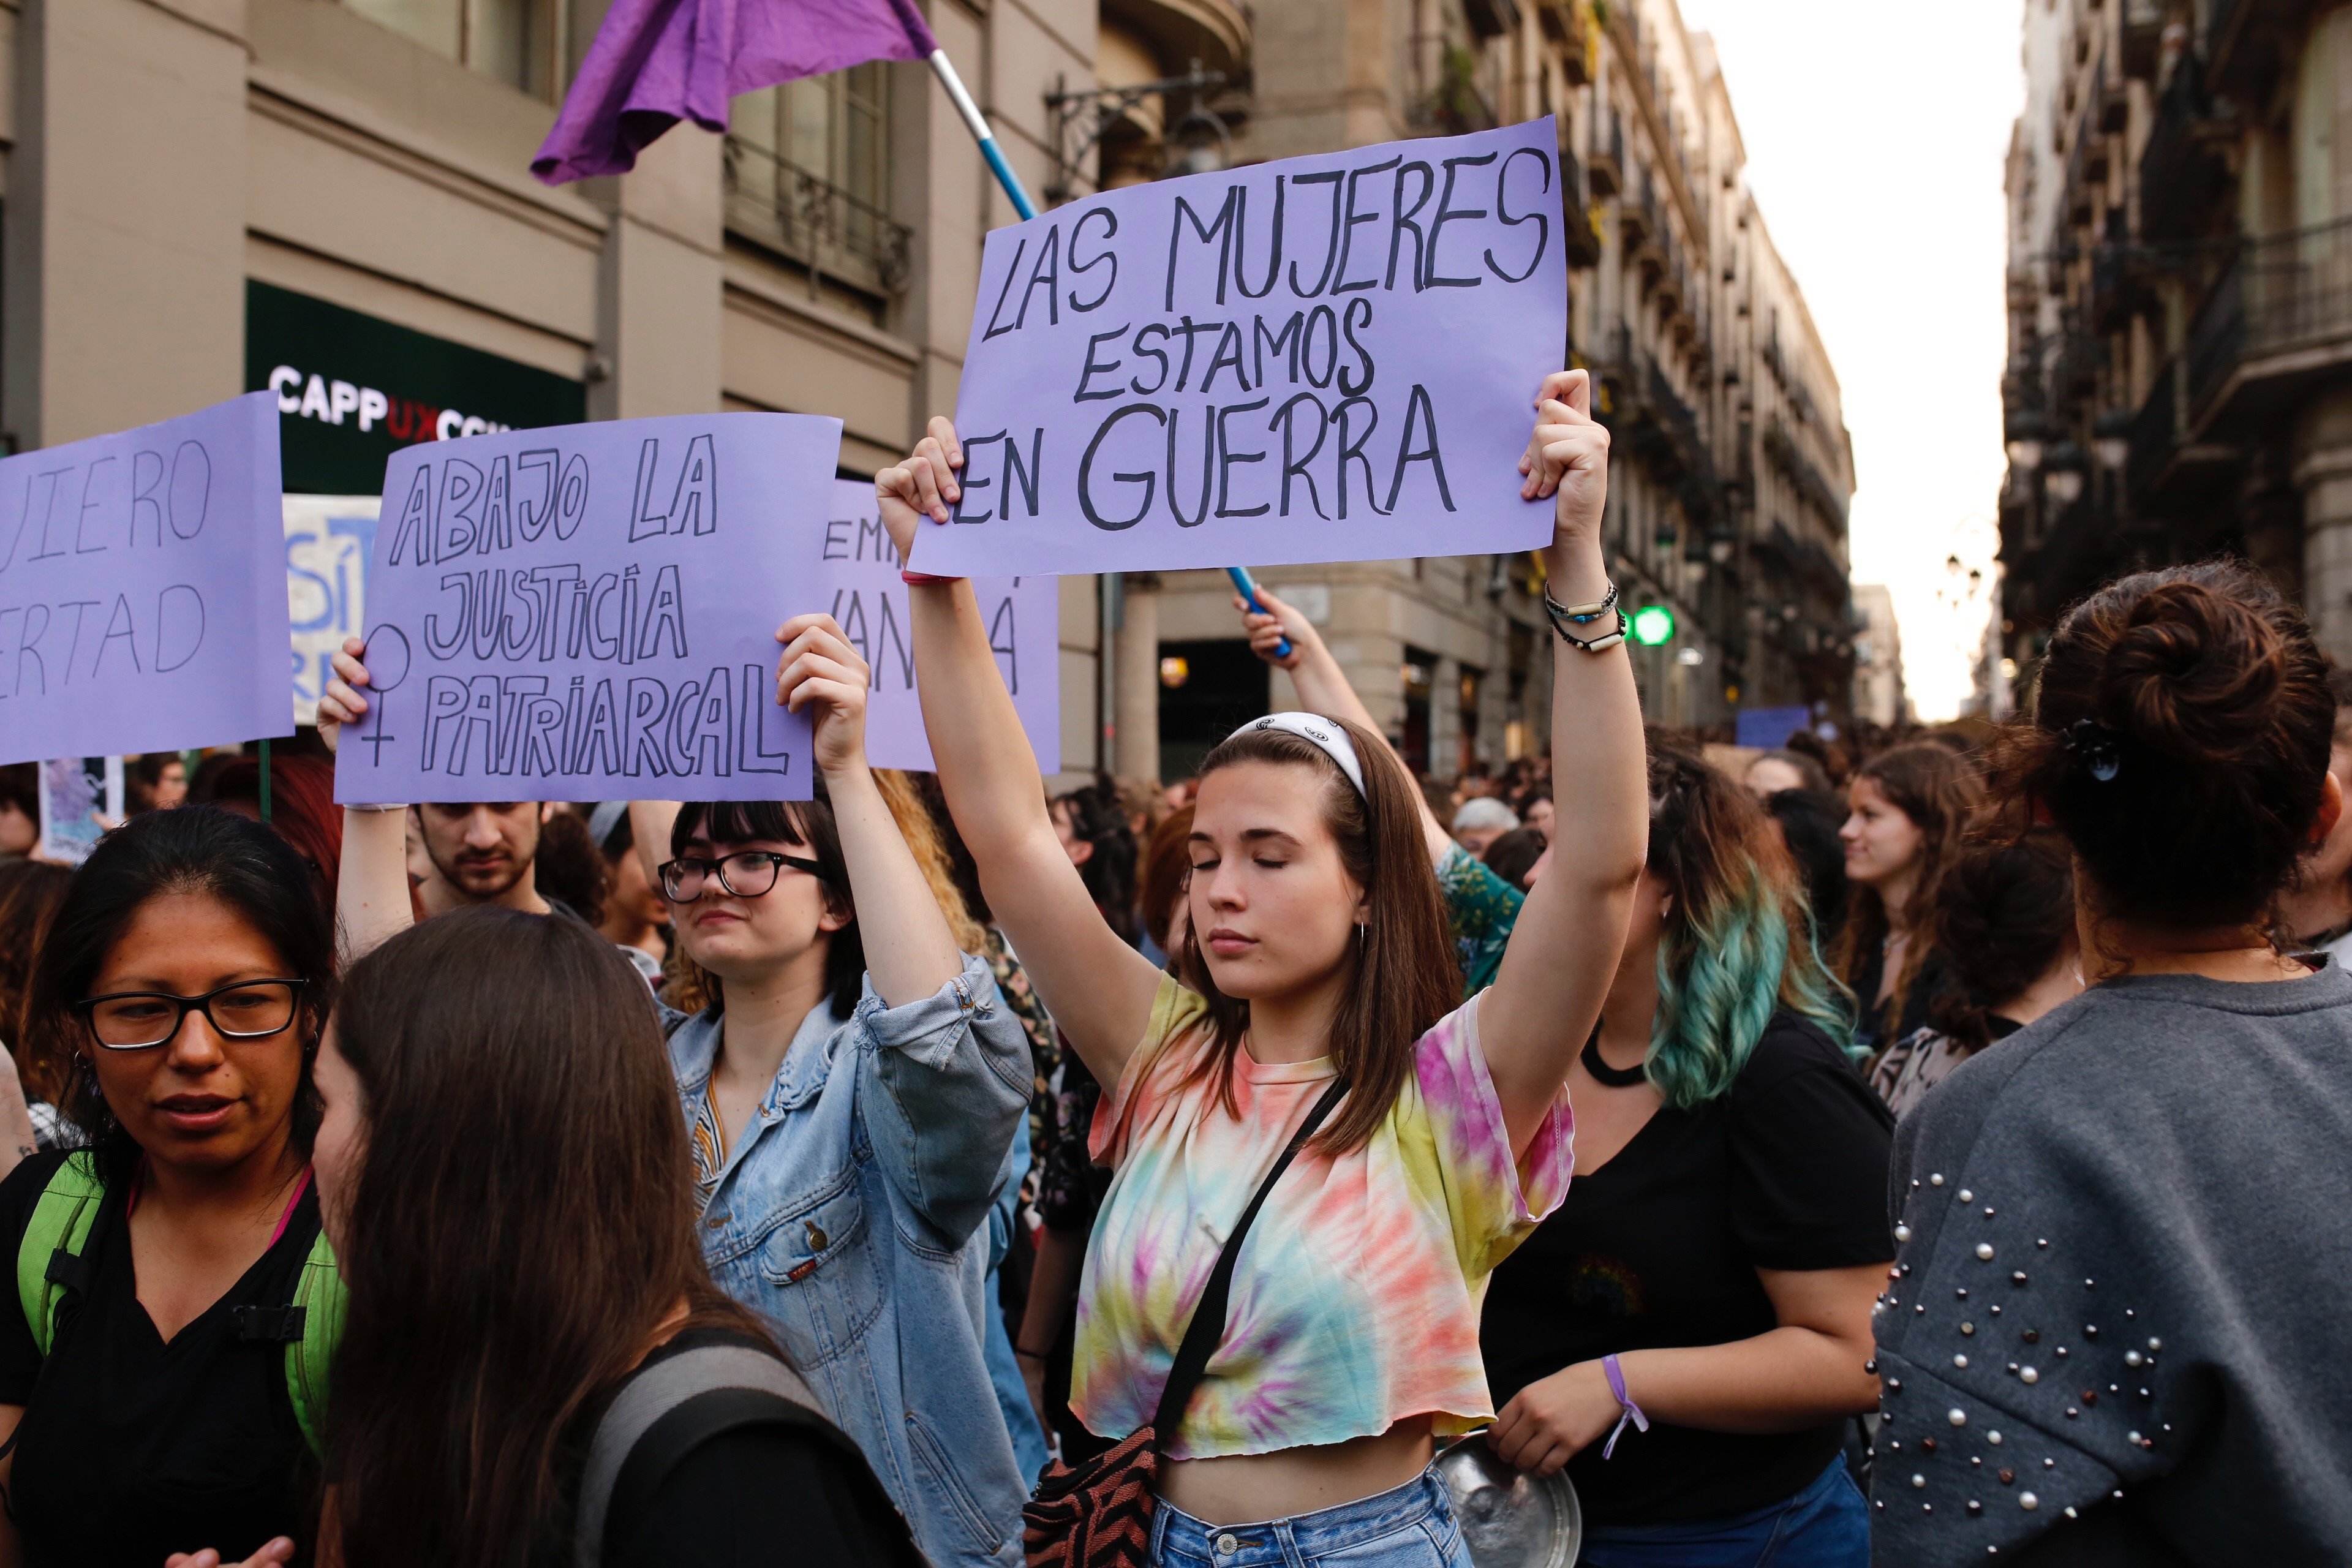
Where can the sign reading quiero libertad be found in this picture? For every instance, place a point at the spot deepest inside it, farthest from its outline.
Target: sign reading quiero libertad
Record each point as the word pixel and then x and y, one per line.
pixel 589 613
pixel 1330 358
pixel 142 589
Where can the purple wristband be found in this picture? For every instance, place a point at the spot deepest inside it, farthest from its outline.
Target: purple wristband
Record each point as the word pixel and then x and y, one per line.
pixel 1632 1412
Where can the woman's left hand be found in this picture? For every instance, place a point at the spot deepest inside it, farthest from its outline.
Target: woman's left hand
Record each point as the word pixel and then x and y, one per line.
pixel 819 666
pixel 1549 1422
pixel 271 1555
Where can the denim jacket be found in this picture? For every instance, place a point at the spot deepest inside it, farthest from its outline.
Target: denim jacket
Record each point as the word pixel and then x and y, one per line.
pixel 852 1214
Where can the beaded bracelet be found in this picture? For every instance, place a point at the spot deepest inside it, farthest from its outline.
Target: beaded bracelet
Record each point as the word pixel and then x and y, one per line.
pixel 1563 615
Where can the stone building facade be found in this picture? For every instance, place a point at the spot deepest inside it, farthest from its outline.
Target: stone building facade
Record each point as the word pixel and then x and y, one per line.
pixel 2179 282
pixel 331 199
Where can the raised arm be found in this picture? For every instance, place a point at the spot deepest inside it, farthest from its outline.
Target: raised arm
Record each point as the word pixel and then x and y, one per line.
pixel 1324 688
pixel 1098 989
pixel 909 951
pixel 1571 931
pixel 371 902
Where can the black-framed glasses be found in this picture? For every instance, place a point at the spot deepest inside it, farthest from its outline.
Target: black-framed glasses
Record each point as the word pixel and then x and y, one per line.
pixel 241 1010
pixel 746 874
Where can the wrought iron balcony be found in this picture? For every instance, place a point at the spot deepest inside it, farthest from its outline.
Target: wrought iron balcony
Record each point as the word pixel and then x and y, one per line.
pixel 782 208
pixel 2183 183
pixel 2142 37
pixel 1583 239
pixel 2281 311
pixel 1606 169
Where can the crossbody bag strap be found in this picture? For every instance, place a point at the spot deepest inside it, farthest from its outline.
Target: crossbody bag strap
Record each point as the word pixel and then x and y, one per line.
pixel 1207 1329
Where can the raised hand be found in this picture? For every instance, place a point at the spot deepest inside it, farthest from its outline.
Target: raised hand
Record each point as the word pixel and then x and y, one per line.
pixel 923 486
pixel 1567 457
pixel 819 667
pixel 1280 623
pixel 341 703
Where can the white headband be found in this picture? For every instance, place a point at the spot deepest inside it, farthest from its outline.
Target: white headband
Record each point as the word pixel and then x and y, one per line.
pixel 1320 732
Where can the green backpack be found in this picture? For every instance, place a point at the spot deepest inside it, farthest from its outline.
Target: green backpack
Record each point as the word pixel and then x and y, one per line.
pixel 49 1265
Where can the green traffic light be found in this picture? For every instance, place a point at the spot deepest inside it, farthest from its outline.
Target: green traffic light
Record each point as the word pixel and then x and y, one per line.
pixel 1652 624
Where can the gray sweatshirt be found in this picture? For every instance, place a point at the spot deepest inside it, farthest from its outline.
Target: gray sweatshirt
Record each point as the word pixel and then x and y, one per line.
pixel 2117 1330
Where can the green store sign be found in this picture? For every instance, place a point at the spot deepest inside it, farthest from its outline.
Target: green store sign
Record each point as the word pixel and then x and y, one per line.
pixel 352 390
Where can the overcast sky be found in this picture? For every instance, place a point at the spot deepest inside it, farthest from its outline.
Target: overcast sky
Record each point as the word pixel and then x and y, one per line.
pixel 1877 132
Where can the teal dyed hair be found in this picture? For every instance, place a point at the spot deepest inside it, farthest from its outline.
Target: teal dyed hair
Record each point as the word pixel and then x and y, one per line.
pixel 1738 943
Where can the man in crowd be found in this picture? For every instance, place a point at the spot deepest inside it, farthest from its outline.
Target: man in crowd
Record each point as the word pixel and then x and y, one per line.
pixel 478 852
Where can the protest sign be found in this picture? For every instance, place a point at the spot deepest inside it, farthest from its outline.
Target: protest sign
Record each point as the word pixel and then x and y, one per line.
pixel 863 592
pixel 142 594
pixel 589 613
pixel 1329 358
pixel 81 797
pixel 328 539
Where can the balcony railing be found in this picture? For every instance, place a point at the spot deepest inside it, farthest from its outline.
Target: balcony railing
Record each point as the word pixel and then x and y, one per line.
pixel 2181 180
pixel 2281 294
pixel 1608 169
pixel 785 208
pixel 2142 38
pixel 2155 430
pixel 1576 210
pixel 1782 449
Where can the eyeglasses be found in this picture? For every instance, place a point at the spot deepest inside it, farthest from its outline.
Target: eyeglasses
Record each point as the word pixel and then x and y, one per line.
pixel 241 1010
pixel 746 874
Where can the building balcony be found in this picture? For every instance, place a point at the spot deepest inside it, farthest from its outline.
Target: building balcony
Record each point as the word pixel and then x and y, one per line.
pixel 1577 227
pixel 1214 32
pixel 1782 449
pixel 2250 43
pixel 1605 169
pixel 2278 319
pixel 1570 27
pixel 1491 18
pixel 2142 37
pixel 1636 220
pixel 2183 180
pixel 782 207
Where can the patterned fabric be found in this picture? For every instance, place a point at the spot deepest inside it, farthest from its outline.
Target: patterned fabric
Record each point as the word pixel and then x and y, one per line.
pixel 1070 1186
pixel 1356 1296
pixel 1906 1071
pixel 709 1137
pixel 1045 1051
pixel 1482 909
pixel 1098 1515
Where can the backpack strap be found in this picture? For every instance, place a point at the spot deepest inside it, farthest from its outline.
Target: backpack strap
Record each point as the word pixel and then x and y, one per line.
pixel 49 1261
pixel 663 1413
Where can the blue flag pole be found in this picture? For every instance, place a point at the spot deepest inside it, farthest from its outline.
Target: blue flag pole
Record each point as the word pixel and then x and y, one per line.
pixel 977 123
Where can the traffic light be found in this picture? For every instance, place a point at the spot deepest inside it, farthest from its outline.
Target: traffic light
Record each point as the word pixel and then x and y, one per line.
pixel 1652 624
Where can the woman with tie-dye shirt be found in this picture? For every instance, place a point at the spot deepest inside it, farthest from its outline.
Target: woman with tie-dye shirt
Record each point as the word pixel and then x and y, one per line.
pixel 1317 950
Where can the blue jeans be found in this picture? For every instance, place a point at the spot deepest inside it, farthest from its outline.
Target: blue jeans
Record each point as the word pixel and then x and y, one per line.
pixel 1827 1525
pixel 1410 1527
pixel 1021 1423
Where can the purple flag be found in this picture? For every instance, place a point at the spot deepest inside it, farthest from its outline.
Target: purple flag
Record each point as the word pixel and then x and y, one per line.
pixel 657 62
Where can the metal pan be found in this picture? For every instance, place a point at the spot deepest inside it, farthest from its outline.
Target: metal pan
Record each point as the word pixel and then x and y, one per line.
pixel 1510 1519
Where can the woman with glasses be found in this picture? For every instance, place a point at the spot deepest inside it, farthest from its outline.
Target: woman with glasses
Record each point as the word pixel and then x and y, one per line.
pixel 853 1092
pixel 149 1402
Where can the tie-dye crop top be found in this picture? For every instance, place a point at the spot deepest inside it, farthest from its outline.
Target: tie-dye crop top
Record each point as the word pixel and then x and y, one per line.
pixel 1356 1296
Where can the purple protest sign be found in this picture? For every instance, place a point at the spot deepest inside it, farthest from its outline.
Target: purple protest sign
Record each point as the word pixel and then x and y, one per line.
pixel 1331 358
pixel 142 589
pixel 863 591
pixel 589 613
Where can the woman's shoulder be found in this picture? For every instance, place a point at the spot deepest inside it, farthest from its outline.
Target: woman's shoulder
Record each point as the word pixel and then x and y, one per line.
pixel 1796 1057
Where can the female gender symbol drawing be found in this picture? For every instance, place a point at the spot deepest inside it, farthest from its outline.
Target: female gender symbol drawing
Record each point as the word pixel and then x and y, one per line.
pixel 387 671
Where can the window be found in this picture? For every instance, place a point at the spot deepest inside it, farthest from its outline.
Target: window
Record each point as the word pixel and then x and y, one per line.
pixel 809 175
pixel 519 42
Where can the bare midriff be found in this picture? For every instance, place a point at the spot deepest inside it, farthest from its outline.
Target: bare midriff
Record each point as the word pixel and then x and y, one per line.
pixel 1244 1488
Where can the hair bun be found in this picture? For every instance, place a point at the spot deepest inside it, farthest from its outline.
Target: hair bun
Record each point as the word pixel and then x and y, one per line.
pixel 2195 674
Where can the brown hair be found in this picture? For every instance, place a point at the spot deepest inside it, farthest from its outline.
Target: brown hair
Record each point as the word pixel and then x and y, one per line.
pixel 2179 740
pixel 1938 790
pixel 1167 871
pixel 521 1223
pixel 2005 913
pixel 1406 975
pixel 30 892
pixel 921 832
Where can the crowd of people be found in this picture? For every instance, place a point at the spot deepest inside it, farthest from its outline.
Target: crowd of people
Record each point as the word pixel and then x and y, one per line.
pixel 1910 1157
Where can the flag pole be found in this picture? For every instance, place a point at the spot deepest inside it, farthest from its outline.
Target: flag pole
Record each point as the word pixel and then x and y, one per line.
pixel 265 778
pixel 977 123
